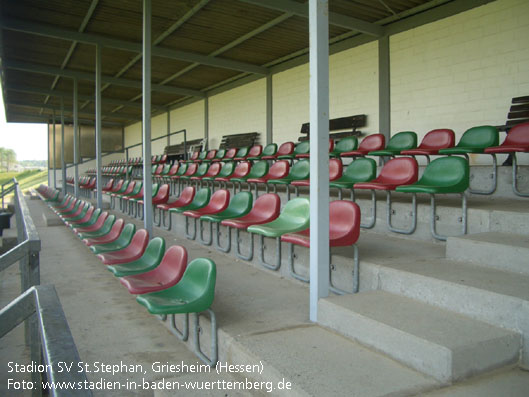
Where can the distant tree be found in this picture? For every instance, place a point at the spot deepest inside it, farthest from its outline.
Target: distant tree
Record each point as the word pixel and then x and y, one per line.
pixel 11 158
pixel 2 157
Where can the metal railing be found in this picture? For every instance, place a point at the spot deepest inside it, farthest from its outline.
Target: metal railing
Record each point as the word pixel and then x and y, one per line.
pixel 46 330
pixel 6 190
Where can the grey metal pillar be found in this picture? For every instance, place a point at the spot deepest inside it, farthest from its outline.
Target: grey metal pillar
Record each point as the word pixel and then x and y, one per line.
pixel 75 140
pixel 54 154
pixel 269 110
pixel 99 162
pixel 319 156
pixel 384 99
pixel 146 116
pixel 63 160
pixel 49 149
pixel 168 127
pixel 206 123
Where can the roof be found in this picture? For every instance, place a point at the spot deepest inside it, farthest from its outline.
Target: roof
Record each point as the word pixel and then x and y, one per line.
pixel 199 47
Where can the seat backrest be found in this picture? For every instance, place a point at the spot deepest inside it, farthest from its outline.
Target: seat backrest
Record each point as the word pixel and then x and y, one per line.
pixel 227 169
pixel 302 147
pixel 344 222
pixel 201 197
pixel 213 170
pixel 153 168
pixel 220 154
pixel 242 169
pixel 346 144
pixel 399 171
pixel 372 142
pixel 126 234
pixel 259 169
pixel 296 213
pixel 270 149
pixel 230 153
pixel 137 188
pixel 198 282
pixel 159 169
pixel 255 150
pixel 438 139
pixel 361 170
pixel 154 189
pixel 130 188
pixel 174 169
pixel 267 206
pixel 139 241
pixel 202 169
pixel 241 203
pixel 116 229
pixel 450 171
pixel 402 141
pixel 182 169
pixel 194 156
pixel 300 170
pixel 202 155
pixel 335 169
pixel 279 169
pixel 166 168
pixel 242 152
pixel 518 135
pixel 286 148
pixel 173 264
pixel 211 154
pixel 219 200
pixel 479 137
pixel 163 192
pixel 191 169
pixel 187 195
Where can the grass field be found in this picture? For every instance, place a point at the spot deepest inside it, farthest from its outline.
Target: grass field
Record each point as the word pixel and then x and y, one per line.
pixel 26 180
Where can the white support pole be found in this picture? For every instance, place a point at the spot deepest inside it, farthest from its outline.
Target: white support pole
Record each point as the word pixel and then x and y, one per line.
pixel 63 160
pixel 54 153
pixel 75 141
pixel 319 156
pixel 146 116
pixel 99 162
pixel 168 126
pixel 269 110
pixel 206 123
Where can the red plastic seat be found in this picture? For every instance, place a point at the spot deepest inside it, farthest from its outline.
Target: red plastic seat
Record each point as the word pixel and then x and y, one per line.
pixel 111 236
pixel 96 226
pixel 161 196
pixel 396 172
pixel 307 155
pixel 191 170
pixel 254 151
pixel 108 186
pixel 133 251
pixel 117 187
pixel 517 140
pixel 165 275
pixel 219 202
pixel 285 149
pixel 335 172
pixel 211 155
pixel 344 226
pixel 158 170
pixel 85 218
pixel 432 142
pixel 265 209
pixel 127 191
pixel 369 144
pixel 186 197
pixel 242 169
pixel 212 172
pixel 172 171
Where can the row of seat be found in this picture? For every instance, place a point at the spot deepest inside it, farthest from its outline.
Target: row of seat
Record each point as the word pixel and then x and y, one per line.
pixel 162 280
pixel 112 170
pixel 137 161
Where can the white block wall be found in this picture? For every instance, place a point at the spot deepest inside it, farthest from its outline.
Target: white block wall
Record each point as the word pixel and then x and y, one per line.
pixel 456 73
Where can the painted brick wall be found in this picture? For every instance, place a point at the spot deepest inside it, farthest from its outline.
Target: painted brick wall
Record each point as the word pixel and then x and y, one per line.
pixel 461 71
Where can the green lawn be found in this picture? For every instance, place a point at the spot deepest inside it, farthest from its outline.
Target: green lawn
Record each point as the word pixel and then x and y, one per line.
pixel 26 180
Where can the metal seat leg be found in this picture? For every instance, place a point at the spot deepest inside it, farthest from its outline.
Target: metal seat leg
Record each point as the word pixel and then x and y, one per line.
pixel 278 254
pixel 227 248
pixel 191 236
pixel 201 235
pixel 389 212
pixel 184 334
pixel 371 223
pixel 515 177
pixel 211 361
pixel 434 217
pixel 248 257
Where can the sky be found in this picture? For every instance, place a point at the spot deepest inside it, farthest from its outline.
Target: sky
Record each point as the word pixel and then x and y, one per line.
pixel 29 141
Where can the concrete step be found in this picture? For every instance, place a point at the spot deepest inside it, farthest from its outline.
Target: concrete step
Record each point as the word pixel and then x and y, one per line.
pixel 505 251
pixel 439 343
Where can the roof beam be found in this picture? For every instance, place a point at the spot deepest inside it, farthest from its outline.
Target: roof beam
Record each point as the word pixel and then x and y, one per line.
pixel 36 68
pixel 88 38
pixel 51 107
pixel 46 118
pixel 335 19
pixel 64 94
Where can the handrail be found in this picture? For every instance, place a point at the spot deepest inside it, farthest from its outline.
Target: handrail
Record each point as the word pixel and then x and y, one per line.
pixel 6 191
pixel 42 304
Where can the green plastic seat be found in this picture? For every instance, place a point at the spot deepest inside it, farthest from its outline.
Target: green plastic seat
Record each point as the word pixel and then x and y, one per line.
pixel 299 171
pixel 344 145
pixel 201 156
pixel 201 171
pixel 181 171
pixel 404 140
pixel 150 259
pixel 200 200
pixel 241 153
pixel 81 215
pixel 294 218
pixel 302 147
pixel 475 140
pixel 361 170
pixel 269 150
pixel 90 222
pixel 220 154
pixel 194 293
pixel 121 242
pixel 104 230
